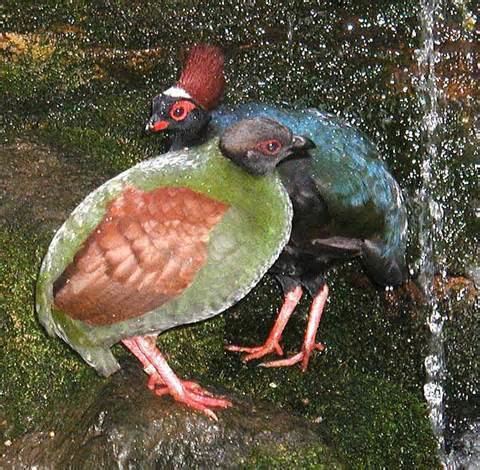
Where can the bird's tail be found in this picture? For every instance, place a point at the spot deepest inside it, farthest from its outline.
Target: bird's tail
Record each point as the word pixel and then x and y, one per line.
pixel 385 266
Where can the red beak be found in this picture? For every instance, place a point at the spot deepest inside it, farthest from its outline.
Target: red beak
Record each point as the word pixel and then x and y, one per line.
pixel 159 126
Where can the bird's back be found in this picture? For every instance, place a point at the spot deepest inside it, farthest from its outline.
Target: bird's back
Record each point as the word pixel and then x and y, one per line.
pixel 362 198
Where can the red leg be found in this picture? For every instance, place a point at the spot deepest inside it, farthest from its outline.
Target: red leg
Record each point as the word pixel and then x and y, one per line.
pixel 309 344
pixel 154 380
pixel 272 344
pixel 164 381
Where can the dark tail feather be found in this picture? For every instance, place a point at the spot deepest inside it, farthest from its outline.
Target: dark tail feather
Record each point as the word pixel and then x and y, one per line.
pixel 386 270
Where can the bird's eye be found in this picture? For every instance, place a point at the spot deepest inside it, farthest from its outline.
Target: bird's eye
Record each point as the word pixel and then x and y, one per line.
pixel 273 146
pixel 269 147
pixel 179 110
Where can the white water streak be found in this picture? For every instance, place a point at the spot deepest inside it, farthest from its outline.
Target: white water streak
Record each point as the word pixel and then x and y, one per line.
pixel 431 222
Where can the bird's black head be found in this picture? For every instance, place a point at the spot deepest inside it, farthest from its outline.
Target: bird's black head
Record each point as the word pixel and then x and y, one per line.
pixel 259 144
pixel 178 115
pixel 184 109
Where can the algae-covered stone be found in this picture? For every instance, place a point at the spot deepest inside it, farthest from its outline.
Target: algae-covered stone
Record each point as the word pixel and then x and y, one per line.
pixel 76 78
pixel 136 429
pixel 462 305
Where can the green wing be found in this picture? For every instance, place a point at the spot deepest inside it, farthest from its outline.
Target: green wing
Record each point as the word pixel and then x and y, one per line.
pixel 242 247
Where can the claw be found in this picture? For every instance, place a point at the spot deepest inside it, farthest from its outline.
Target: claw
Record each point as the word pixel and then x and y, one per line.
pixel 272 344
pixel 255 352
pixel 303 357
pixel 163 381
pixel 199 399
pixel 309 344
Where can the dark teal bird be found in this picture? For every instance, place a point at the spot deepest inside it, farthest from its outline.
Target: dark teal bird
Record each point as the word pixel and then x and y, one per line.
pixel 346 203
pixel 171 241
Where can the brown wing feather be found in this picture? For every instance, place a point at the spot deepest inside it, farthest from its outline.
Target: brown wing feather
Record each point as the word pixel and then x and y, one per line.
pixel 146 251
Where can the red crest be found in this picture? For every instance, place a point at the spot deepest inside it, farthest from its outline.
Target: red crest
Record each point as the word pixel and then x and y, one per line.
pixel 202 75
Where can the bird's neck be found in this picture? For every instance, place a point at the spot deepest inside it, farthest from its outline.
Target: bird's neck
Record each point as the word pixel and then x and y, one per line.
pixel 181 140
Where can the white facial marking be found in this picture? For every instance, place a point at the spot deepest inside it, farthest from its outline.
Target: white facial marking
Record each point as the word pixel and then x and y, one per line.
pixel 177 92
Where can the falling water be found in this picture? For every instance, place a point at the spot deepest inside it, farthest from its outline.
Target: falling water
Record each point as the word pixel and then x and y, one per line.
pixel 431 223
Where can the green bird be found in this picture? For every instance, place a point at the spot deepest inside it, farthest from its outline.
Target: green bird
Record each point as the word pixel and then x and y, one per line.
pixel 173 240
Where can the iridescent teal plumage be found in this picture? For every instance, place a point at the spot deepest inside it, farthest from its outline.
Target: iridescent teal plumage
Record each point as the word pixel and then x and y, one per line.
pixel 346 204
pixel 362 199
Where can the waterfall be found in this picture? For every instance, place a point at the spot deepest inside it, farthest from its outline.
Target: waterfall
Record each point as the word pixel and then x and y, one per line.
pixel 431 222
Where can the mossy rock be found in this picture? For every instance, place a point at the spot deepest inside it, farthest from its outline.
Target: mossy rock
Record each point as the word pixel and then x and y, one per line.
pixel 122 423
pixel 76 80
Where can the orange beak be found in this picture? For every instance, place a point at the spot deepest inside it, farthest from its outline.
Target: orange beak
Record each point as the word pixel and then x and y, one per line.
pixel 159 126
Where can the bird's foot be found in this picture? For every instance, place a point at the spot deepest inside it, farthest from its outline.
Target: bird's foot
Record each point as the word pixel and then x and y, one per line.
pixel 272 344
pixel 255 352
pixel 309 343
pixel 196 397
pixel 156 382
pixel 163 381
pixel 303 356
pixel 189 393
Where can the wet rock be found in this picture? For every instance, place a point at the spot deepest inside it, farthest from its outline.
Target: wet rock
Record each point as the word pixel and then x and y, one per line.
pixel 466 453
pixel 89 98
pixel 474 273
pixel 461 304
pixel 127 426
pixel 40 185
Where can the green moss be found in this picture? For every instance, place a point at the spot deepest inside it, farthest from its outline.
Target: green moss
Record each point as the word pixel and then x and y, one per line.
pixel 317 458
pixel 37 373
pixel 83 85
pixel 37 75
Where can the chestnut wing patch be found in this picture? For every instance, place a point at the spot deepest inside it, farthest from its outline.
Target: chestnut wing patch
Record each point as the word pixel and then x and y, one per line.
pixel 145 252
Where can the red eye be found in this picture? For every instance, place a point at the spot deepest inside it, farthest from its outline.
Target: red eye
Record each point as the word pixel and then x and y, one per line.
pixel 269 147
pixel 180 109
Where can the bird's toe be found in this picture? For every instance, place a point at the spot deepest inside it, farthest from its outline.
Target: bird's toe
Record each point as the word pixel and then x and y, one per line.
pixel 256 352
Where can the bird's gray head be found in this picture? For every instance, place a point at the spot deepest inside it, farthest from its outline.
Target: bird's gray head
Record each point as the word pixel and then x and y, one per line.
pixel 259 145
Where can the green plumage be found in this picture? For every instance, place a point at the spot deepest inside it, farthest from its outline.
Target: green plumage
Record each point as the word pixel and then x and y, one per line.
pixel 241 248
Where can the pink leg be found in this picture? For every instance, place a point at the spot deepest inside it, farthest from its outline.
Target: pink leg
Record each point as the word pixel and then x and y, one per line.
pixel 166 382
pixel 272 344
pixel 154 379
pixel 309 344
